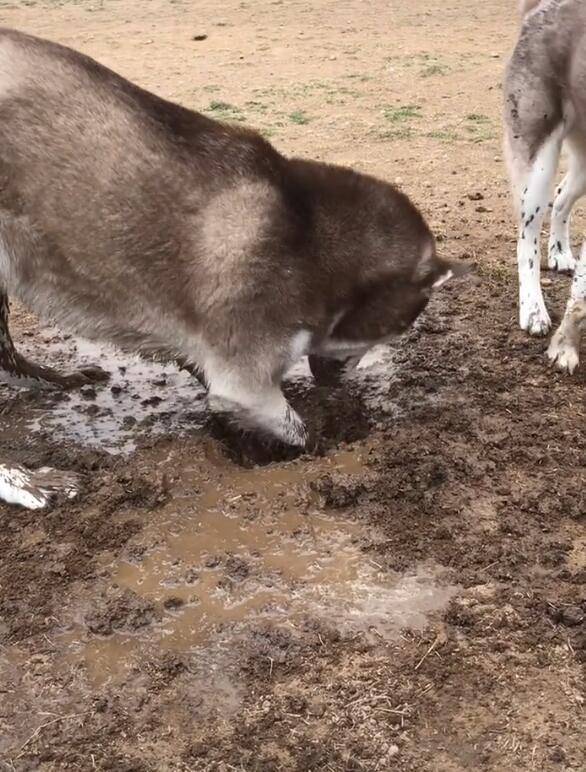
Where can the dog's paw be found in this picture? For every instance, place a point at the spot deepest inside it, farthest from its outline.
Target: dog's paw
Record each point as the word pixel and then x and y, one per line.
pixel 563 354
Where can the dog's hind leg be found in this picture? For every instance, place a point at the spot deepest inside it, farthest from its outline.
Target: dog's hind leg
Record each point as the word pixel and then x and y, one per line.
pixel 572 188
pixel 535 130
pixel 564 349
pixel 16 369
pixel 533 203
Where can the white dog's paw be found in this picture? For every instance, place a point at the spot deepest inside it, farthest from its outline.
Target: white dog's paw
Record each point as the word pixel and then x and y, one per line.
pixel 534 319
pixel 35 489
pixel 563 354
pixel 560 259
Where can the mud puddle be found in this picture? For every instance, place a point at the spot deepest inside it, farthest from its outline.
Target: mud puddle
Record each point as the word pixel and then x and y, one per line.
pixel 145 398
pixel 257 545
pixel 140 398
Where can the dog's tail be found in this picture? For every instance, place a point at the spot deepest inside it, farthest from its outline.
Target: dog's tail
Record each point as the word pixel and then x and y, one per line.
pixel 525 6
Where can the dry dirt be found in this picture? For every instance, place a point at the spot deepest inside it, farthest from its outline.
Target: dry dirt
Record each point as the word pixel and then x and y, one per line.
pixel 410 598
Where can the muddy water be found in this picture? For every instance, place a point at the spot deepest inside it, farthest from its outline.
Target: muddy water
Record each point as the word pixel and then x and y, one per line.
pixel 145 398
pixel 258 546
pixel 250 545
pixel 140 398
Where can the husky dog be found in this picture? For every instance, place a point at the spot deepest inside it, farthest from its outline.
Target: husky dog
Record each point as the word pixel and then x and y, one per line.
pixel 129 219
pixel 545 108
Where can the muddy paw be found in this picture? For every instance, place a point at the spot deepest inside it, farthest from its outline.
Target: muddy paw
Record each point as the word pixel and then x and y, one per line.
pixel 85 375
pixel 560 259
pixel 35 489
pixel 534 319
pixel 562 354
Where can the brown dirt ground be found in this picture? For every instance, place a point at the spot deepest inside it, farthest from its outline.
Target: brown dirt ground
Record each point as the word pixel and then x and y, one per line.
pixel 476 458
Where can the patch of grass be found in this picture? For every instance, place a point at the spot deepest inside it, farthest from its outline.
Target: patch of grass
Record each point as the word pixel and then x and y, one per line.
pixel 299 117
pixel 444 135
pixel 479 127
pixel 402 133
pixel 402 113
pixel 224 111
pixel 258 107
pixel 477 118
pixel 434 69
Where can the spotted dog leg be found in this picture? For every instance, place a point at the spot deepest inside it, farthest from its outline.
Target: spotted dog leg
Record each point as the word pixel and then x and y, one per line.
pixel 18 370
pixel 572 188
pixel 533 315
pixel 564 349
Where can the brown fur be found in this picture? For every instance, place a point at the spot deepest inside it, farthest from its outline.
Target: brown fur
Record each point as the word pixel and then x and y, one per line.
pixel 128 218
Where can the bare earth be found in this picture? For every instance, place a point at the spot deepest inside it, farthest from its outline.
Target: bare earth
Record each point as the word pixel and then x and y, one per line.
pixel 410 597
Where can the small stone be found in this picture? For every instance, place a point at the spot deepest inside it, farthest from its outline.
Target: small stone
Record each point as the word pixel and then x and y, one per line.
pixel 153 401
pixel 572 616
pixel 173 603
pixel 393 750
pixel 558 755
pixel 546 282
pixel 88 392
pixel 476 196
pixel 200 36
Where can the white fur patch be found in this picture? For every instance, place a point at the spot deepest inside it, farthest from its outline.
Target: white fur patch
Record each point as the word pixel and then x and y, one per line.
pixel 299 346
pixel 443 279
pixel 336 348
pixel 33 489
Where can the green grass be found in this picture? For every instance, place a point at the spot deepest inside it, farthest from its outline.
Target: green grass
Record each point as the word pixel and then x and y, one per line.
pixel 444 135
pixel 224 111
pixel 402 113
pixel 299 117
pixel 434 69
pixel 479 127
pixel 477 118
pixel 404 132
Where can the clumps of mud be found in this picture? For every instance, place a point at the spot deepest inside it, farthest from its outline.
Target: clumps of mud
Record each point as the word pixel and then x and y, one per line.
pixel 118 610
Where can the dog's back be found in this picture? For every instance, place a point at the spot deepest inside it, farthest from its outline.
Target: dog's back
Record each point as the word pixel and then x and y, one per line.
pixel 106 191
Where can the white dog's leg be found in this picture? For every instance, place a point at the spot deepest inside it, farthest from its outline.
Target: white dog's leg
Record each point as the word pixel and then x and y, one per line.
pixel 572 188
pixel 534 199
pixel 564 349
pixel 35 489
